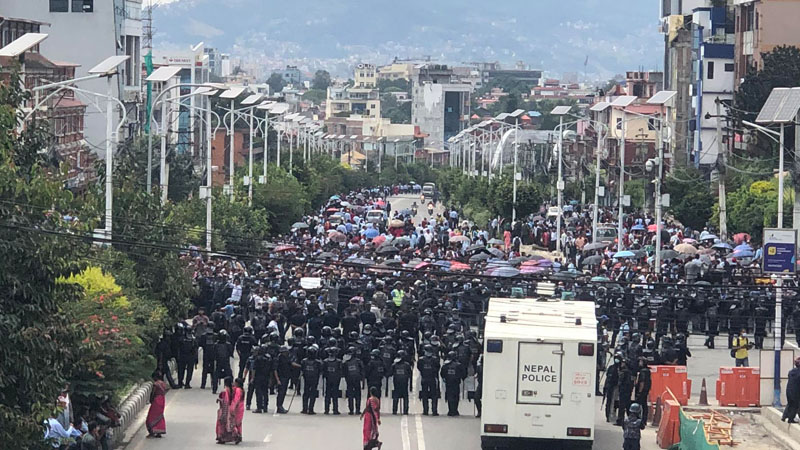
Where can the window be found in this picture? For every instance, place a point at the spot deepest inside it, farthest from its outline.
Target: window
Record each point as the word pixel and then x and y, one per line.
pixel 86 6
pixel 710 74
pixel 59 5
pixel 619 123
pixel 652 124
pixel 729 67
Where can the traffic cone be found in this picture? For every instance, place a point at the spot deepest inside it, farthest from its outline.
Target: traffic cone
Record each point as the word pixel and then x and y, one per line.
pixel 657 413
pixel 703 394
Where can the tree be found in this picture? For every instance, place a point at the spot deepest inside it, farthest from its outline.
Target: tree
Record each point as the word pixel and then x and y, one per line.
pixel 39 339
pixel 276 83
pixel 690 197
pixel 321 81
pixel 395 111
pixel 315 96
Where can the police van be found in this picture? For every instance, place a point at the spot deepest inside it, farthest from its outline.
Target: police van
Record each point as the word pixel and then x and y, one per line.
pixel 538 374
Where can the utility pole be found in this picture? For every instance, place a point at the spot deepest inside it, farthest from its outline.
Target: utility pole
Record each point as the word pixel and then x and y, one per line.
pixel 596 185
pixel 620 229
pixel 795 175
pixel 516 149
pixel 147 45
pixel 721 168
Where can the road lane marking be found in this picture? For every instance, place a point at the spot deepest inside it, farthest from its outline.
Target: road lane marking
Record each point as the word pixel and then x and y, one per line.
pixel 404 433
pixel 420 435
pixel 268 438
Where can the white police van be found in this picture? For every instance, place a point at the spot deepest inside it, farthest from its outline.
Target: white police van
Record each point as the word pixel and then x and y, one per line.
pixel 538 374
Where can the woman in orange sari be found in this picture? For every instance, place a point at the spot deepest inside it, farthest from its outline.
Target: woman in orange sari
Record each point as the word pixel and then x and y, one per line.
pixel 372 418
pixel 230 413
pixel 155 423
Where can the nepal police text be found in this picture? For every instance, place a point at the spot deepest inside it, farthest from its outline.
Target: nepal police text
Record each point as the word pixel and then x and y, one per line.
pixel 539 373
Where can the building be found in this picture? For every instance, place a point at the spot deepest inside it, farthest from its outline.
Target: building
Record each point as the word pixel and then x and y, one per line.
pixel 361 99
pixel 396 71
pixel 65 112
pixel 644 84
pixel 440 105
pixel 760 26
pixel 195 70
pixel 292 75
pixel 86 32
pixel 366 77
pixel 214 61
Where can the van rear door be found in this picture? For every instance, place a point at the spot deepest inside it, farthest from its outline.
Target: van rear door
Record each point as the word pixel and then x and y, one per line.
pixel 539 373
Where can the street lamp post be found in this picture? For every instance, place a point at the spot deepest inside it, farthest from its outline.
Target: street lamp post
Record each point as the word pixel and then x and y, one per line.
pixel 661 99
pixel 623 102
pixel 560 111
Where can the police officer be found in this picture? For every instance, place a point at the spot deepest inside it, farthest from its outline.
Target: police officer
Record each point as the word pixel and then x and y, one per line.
pixel 376 370
pixel 401 379
pixel 479 386
pixel 207 343
pixel 311 368
pixel 626 385
pixel 643 385
pixel 611 386
pixel 163 355
pixel 244 346
pixel 452 372
pixel 264 368
pixel 354 376
pixel 428 367
pixel 223 352
pixel 187 357
pixel 283 368
pixel 332 373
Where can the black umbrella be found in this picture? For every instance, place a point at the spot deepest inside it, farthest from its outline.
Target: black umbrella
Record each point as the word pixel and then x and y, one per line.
pixel 326 255
pixel 592 260
pixel 387 250
pixel 518 260
pixel 475 247
pixel 669 254
pixel 496 252
pixel 594 246
pixel 479 257
pixel 535 218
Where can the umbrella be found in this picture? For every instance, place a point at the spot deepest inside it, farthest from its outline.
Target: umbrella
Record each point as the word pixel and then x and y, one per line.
pixel 459 238
pixel 518 260
pixel 545 263
pixel 300 225
pixel 371 233
pixel 638 227
pixel 335 197
pixel 401 242
pixel 688 241
pixel 396 223
pixel 326 255
pixel 505 272
pixel 458 266
pixel 537 218
pixel 669 254
pixel 497 253
pixel 345 204
pixel 332 210
pixel 743 247
pixel 378 240
pixel 564 276
pixel 536 257
pixel 592 260
pixel 361 261
pixel 743 253
pixel 285 248
pixel 478 257
pixel 422 265
pixel 639 253
pixel 531 263
pixel 495 241
pixel 387 249
pixel 740 238
pixel 475 247
pixel 705 235
pixel 595 246
pixel 624 254
pixel 652 228
pixel 722 246
pixel 531 269
pixel 600 279
pixel 686 248
pixel 405 212
pixel 337 237
pixel 393 262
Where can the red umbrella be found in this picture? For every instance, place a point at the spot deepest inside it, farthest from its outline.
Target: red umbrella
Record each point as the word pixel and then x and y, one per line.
pixel 741 238
pixel 422 265
pixel 285 248
pixel 530 263
pixel 458 266
pixel 380 239
pixel 652 228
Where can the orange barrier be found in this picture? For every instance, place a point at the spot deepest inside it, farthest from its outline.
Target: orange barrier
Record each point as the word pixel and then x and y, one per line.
pixel 669 429
pixel 739 386
pixel 674 378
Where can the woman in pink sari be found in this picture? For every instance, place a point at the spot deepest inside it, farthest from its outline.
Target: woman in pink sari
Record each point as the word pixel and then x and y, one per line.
pixel 372 418
pixel 155 423
pixel 230 413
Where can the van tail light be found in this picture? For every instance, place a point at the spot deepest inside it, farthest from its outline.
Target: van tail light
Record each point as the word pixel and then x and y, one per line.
pixel 579 432
pixel 586 349
pixel 494 428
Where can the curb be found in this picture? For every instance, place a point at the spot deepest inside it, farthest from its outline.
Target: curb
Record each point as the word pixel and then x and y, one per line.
pixel 787 434
pixel 135 402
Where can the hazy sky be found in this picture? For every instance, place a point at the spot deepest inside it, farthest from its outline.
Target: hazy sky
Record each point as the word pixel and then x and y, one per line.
pixel 598 37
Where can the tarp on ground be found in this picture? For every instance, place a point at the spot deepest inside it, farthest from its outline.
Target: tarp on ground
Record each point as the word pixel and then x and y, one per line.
pixel 693 435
